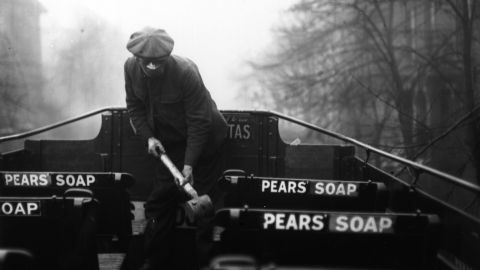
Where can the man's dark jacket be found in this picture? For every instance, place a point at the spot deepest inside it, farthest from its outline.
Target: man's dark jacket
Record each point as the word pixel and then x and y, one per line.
pixel 176 107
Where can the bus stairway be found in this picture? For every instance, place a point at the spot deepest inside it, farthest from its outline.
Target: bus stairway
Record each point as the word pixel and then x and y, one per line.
pixel 47 194
pixel 270 192
pixel 322 223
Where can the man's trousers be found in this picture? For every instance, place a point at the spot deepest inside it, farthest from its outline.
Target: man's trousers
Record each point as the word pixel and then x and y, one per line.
pixel 163 202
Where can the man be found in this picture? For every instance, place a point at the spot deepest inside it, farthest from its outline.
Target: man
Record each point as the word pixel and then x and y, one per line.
pixel 171 110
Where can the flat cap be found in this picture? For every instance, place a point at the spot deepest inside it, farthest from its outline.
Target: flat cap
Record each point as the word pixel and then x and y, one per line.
pixel 150 43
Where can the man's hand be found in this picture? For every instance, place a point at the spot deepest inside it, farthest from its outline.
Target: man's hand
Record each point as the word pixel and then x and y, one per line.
pixel 188 173
pixel 155 147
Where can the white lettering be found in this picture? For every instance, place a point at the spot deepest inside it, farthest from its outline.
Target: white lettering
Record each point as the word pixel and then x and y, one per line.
pixel 385 223
pixel 293 221
pixel 238 132
pixel 33 180
pixel 319 188
pixel 75 180
pixel 317 223
pixel 269 219
pixel 43 180
pixel 361 224
pixel 8 179
pixel 60 181
pixel 7 208
pixel 291 187
pixel 370 225
pixel 28 179
pixel 80 182
pixel 356 224
pixel 280 221
pixel 25 181
pixel 31 207
pixel 351 189
pixel 70 180
pixel 246 130
pixel 90 179
pixel 265 185
pixel 342 225
pixel 330 188
pixel 278 186
pixel 273 186
pixel 302 187
pixel 282 187
pixel 340 190
pixel 335 189
pixel 230 128
pixel 20 210
pixel 303 224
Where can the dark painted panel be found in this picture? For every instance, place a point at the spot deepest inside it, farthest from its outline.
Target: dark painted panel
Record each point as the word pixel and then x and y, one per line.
pixel 319 161
pixel 16 160
pixel 75 156
pixel 244 141
pixel 315 161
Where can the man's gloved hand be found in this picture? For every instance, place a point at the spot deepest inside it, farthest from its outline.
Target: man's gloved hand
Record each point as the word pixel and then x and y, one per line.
pixel 155 147
pixel 188 173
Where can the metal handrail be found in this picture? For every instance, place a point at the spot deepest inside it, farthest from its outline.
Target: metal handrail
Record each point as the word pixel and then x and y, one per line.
pixel 58 124
pixel 417 166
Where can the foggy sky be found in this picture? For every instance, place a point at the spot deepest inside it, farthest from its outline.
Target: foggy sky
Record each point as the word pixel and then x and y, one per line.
pixel 219 35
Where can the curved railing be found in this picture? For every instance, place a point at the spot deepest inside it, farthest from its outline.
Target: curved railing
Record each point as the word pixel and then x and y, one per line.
pixel 414 165
pixel 419 168
pixel 56 125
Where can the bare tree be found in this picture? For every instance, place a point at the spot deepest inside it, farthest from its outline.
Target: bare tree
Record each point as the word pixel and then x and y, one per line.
pixel 346 54
pixel 467 15
pixel 364 67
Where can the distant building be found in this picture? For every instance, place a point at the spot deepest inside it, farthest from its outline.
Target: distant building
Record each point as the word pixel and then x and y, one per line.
pixel 20 62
